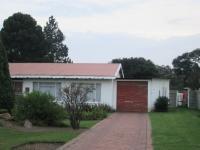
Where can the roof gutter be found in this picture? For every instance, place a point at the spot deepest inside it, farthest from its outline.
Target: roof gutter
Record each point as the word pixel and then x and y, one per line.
pixel 61 77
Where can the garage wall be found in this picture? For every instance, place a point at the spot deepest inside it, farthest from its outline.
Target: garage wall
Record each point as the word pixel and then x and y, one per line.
pixel 156 88
pixel 108 87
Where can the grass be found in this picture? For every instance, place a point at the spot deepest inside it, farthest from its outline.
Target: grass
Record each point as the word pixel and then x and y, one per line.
pixel 11 137
pixel 83 124
pixel 176 130
pixel 88 123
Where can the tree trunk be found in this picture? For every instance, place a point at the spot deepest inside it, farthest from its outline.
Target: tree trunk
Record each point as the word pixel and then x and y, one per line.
pixel 75 122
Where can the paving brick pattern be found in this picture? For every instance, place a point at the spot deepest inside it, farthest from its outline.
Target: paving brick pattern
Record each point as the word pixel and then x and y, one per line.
pixel 120 131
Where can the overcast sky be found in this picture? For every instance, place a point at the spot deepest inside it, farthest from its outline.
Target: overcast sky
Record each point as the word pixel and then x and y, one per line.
pixel 100 30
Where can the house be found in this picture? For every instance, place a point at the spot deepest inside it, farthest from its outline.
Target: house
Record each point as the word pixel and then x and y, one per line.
pixel 110 87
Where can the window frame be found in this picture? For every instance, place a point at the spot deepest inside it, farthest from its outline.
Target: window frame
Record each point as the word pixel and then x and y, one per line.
pixel 14 87
pixel 94 100
pixel 52 84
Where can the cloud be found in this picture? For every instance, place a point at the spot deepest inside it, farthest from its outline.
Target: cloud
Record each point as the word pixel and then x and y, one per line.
pixel 157 19
pixel 151 19
pixel 90 47
pixel 99 30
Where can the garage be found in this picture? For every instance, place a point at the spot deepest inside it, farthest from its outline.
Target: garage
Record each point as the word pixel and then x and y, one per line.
pixel 132 96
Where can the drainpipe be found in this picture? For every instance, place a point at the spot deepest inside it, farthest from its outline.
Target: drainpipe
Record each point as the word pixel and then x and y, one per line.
pixel 188 90
pixel 112 93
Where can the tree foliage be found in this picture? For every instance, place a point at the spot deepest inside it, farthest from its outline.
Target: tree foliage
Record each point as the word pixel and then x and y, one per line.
pixel 58 52
pixel 187 68
pixel 139 68
pixel 165 71
pixel 23 39
pixel 6 91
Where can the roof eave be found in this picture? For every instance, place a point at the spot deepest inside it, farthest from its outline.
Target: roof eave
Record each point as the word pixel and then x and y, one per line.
pixel 60 77
pixel 118 71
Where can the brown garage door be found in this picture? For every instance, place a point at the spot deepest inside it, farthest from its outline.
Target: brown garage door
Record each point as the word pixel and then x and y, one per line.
pixel 132 96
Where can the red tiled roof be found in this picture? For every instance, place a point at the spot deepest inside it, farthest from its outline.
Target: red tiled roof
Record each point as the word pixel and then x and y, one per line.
pixel 62 69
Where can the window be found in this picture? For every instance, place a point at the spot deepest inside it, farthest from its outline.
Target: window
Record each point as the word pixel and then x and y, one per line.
pixel 95 94
pixel 17 86
pixel 27 89
pixel 52 88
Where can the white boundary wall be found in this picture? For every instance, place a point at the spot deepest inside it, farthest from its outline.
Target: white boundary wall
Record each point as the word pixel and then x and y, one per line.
pixel 156 88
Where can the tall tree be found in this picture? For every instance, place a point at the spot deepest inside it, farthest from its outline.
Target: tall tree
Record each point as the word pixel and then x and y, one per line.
pixel 23 39
pixel 139 68
pixel 187 68
pixel 58 52
pixel 165 71
pixel 6 91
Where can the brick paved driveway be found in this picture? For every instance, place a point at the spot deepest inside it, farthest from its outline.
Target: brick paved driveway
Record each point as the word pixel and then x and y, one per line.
pixel 120 131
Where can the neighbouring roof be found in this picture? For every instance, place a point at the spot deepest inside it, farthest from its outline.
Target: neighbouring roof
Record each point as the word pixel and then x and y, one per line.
pixel 63 70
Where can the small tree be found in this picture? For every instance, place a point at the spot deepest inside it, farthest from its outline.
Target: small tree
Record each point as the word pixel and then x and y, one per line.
pixel 74 97
pixel 6 91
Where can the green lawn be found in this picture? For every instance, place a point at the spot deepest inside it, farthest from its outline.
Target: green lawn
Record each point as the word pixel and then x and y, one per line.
pixel 11 137
pixel 176 130
pixel 83 124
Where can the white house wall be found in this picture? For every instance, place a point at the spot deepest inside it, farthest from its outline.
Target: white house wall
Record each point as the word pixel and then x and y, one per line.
pixel 155 89
pixel 27 84
pixel 108 87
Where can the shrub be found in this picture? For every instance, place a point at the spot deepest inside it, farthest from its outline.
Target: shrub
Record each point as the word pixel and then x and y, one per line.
pixel 95 112
pixel 161 104
pixel 1 124
pixel 3 111
pixel 39 108
pixel 94 115
pixel 90 107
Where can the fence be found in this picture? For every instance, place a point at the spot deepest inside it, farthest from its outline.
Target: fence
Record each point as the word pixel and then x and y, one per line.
pixel 194 99
pixel 173 98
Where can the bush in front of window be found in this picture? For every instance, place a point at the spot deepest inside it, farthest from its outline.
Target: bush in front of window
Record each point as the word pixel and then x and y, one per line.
pixel 161 104
pixel 95 111
pixel 90 107
pixel 39 108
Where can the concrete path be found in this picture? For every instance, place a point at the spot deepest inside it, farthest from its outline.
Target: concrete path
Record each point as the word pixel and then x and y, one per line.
pixel 120 131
